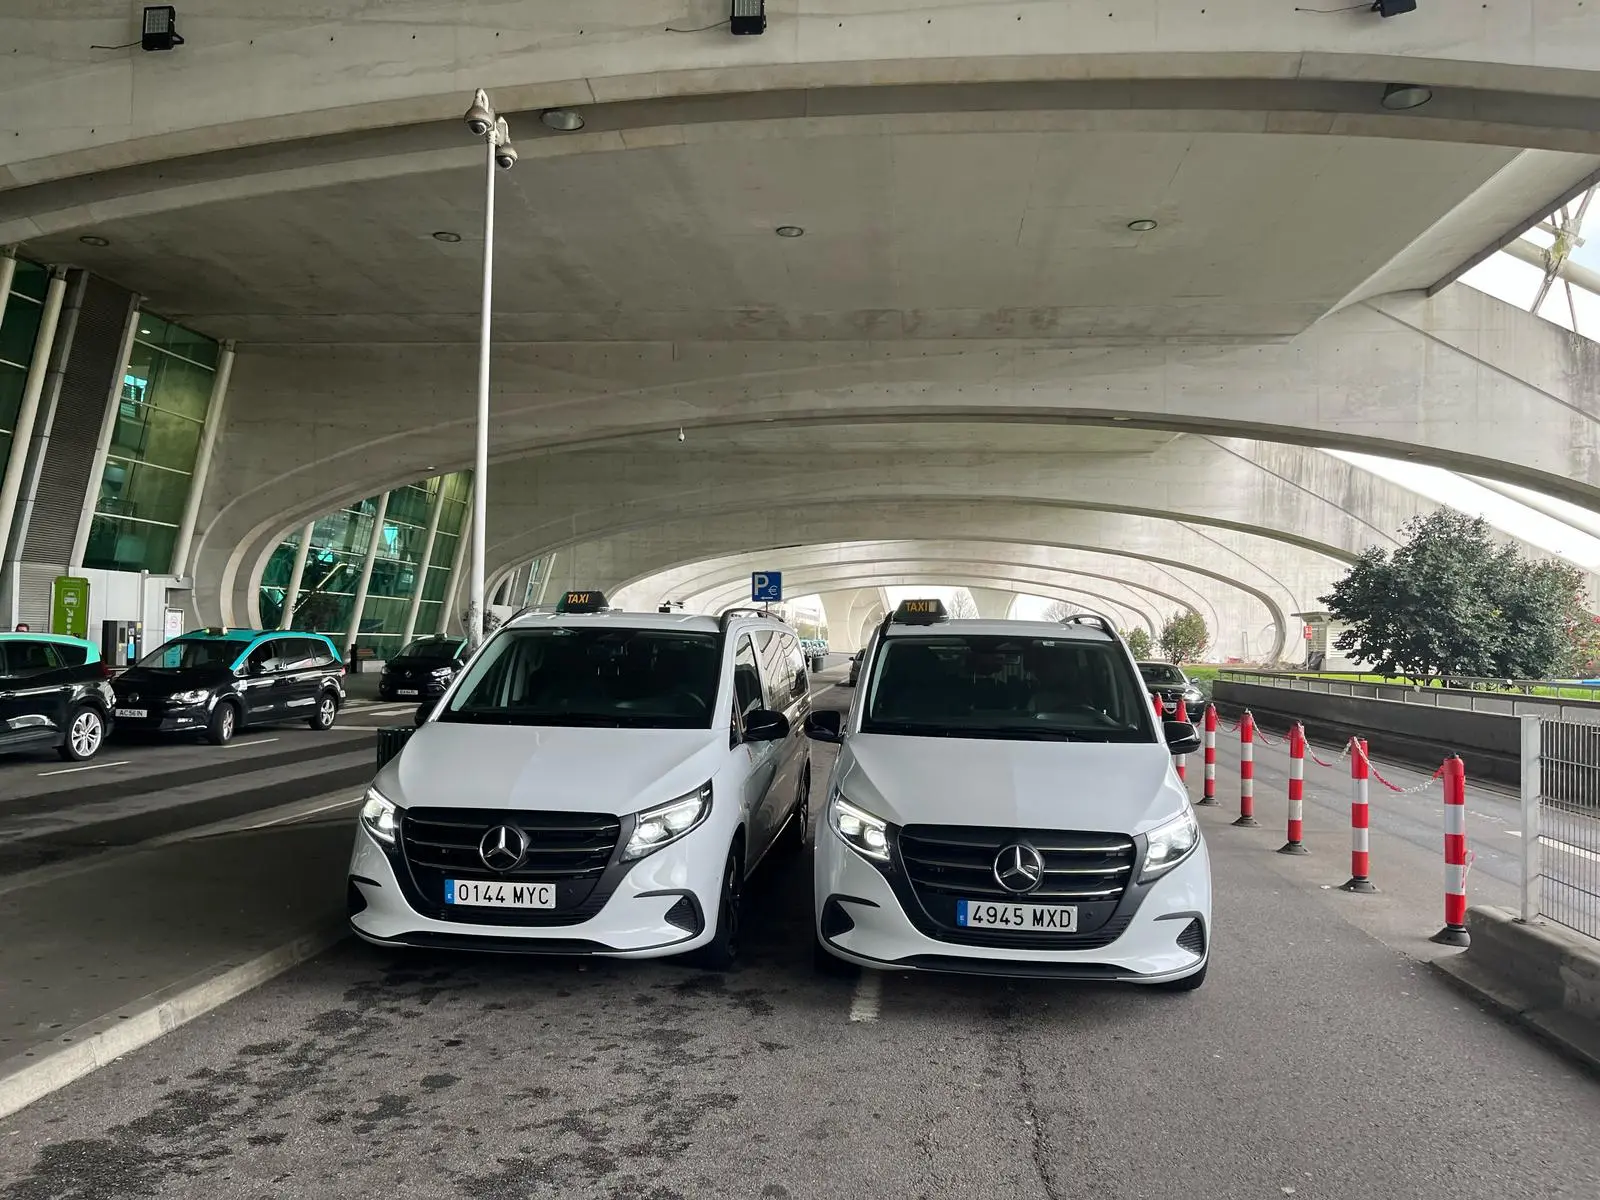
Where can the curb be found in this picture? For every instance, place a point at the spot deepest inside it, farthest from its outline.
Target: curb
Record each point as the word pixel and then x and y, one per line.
pixel 95 1043
pixel 1572 1038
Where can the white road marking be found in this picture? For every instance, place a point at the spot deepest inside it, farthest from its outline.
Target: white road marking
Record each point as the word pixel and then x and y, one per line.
pixel 257 742
pixel 90 767
pixel 310 812
pixel 1564 847
pixel 869 994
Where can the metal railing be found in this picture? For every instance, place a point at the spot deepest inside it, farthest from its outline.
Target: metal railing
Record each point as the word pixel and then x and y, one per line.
pixel 1561 823
pixel 1511 698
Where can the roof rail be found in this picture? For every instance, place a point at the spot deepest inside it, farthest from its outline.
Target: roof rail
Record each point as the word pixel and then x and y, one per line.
pixel 742 611
pixel 1088 618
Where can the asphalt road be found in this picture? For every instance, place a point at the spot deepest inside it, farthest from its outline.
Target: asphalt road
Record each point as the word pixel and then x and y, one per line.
pixel 1319 1061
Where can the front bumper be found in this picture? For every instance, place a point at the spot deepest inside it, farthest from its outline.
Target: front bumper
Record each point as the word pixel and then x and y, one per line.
pixel 860 919
pixel 411 689
pixel 633 923
pixel 163 718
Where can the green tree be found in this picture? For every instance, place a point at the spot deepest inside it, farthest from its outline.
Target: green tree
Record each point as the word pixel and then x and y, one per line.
pixel 1184 637
pixel 1451 601
pixel 1139 643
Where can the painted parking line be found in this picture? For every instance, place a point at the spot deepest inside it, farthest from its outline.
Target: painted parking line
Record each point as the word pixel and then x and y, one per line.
pixel 869 996
pixel 89 767
pixel 257 742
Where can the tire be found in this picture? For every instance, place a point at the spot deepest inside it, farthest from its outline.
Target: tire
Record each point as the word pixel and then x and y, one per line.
pixel 327 712
pixel 86 733
pixel 224 723
pixel 722 951
pixel 1188 983
pixel 793 838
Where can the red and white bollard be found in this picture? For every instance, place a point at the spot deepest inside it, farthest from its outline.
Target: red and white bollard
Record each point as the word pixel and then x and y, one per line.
pixel 1247 771
pixel 1161 711
pixel 1360 769
pixel 1297 791
pixel 1183 759
pixel 1455 932
pixel 1208 794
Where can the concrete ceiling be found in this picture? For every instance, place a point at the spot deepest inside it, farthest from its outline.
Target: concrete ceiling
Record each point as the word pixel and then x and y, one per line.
pixel 907 438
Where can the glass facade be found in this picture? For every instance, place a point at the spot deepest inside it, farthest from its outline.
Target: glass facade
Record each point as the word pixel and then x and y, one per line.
pixel 338 548
pixel 18 330
pixel 166 390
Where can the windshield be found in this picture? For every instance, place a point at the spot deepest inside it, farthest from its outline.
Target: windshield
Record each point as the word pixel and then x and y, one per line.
pixel 606 676
pixel 1161 673
pixel 442 649
pixel 1007 687
pixel 188 654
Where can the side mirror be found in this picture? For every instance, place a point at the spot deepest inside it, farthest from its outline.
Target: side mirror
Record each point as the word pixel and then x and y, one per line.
pixel 764 725
pixel 424 711
pixel 825 726
pixel 1182 737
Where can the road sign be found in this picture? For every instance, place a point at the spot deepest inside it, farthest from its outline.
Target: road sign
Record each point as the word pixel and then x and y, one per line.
pixel 1308 633
pixel 766 587
pixel 69 606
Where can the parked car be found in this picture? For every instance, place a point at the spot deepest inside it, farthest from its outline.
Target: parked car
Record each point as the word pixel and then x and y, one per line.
pixel 424 667
pixel 216 682
pixel 54 695
pixel 855 669
pixel 1168 681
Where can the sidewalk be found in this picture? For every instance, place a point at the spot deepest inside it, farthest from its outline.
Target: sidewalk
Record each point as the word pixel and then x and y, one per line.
pixel 105 956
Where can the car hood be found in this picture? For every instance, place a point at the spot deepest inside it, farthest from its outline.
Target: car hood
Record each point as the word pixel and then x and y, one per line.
pixel 164 683
pixel 458 765
pixel 1100 786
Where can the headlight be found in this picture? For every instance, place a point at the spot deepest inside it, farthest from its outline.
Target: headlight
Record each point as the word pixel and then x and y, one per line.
pixel 1194 696
pixel 198 696
pixel 380 817
pixel 666 823
pixel 442 672
pixel 1168 845
pixel 864 833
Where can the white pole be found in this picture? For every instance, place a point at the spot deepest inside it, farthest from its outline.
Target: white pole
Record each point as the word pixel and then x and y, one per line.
pixel 365 582
pixel 1532 787
pixel 32 389
pixel 102 448
pixel 202 462
pixel 291 594
pixel 480 471
pixel 447 610
pixel 8 272
pixel 424 562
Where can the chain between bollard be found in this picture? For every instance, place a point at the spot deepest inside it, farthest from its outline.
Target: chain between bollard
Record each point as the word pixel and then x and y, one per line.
pixel 1408 791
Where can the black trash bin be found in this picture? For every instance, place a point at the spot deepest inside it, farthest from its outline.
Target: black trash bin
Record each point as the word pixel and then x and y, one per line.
pixel 817 662
pixel 391 739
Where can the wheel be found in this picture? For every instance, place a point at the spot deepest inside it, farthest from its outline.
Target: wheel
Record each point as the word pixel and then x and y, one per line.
pixel 826 964
pixel 223 724
pixel 327 710
pixel 722 950
pixel 85 732
pixel 793 838
pixel 1188 983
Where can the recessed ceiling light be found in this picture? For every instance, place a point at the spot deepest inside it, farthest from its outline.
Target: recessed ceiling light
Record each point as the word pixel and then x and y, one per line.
pixel 564 120
pixel 1406 95
pixel 789 231
pixel 1143 225
pixel 146 332
pixel 90 239
pixel 444 235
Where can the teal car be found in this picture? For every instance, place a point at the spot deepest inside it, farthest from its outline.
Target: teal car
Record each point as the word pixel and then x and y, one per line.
pixel 54 694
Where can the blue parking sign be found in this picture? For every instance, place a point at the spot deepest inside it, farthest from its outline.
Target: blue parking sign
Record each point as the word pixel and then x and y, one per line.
pixel 766 587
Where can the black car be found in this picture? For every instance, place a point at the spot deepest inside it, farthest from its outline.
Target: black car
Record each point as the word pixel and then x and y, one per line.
pixel 855 669
pixel 1171 684
pixel 54 695
pixel 423 668
pixel 218 681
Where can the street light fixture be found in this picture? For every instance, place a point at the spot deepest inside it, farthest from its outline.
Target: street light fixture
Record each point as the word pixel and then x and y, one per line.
pixel 483 122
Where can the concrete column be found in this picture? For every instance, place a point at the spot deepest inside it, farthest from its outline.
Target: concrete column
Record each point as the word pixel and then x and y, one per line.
pixel 8 272
pixel 548 567
pixel 202 462
pixel 108 427
pixel 993 604
pixel 448 609
pixel 359 608
pixel 291 595
pixel 32 389
pixel 426 561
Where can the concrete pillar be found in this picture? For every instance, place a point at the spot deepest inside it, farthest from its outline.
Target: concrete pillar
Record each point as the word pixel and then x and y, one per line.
pixel 8 272
pixel 291 594
pixel 202 462
pixel 993 604
pixel 102 448
pixel 448 608
pixel 426 561
pixel 359 608
pixel 32 389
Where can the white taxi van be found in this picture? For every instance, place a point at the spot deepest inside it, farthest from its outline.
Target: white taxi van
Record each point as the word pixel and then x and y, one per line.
pixel 592 782
pixel 1004 803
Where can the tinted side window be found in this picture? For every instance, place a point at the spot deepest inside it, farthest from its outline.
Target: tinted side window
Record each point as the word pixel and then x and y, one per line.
pixel 777 671
pixel 797 665
pixel 71 656
pixel 31 658
pixel 746 678
pixel 265 656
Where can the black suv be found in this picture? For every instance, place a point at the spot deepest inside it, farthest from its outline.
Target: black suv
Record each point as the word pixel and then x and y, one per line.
pixel 423 668
pixel 218 681
pixel 53 695
pixel 1171 684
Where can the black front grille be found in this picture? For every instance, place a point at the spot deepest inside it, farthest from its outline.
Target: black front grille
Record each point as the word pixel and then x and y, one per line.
pixel 944 864
pixel 575 851
pixel 1193 937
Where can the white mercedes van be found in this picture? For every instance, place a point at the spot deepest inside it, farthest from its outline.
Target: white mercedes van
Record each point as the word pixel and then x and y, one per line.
pixel 593 782
pixel 1005 803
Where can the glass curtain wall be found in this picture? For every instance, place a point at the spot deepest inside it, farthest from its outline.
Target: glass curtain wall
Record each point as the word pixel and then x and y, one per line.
pixel 166 390
pixel 17 333
pixel 338 548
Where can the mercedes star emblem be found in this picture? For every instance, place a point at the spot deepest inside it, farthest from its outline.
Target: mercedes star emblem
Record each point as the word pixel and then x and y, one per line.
pixel 1018 868
pixel 503 848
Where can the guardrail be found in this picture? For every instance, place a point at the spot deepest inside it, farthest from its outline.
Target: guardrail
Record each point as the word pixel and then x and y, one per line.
pixel 1511 700
pixel 1561 824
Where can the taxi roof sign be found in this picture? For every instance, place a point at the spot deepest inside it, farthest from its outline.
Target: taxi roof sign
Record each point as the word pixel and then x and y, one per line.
pixel 920 612
pixel 583 602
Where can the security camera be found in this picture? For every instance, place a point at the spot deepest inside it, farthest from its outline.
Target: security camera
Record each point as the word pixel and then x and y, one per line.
pixel 505 157
pixel 480 117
